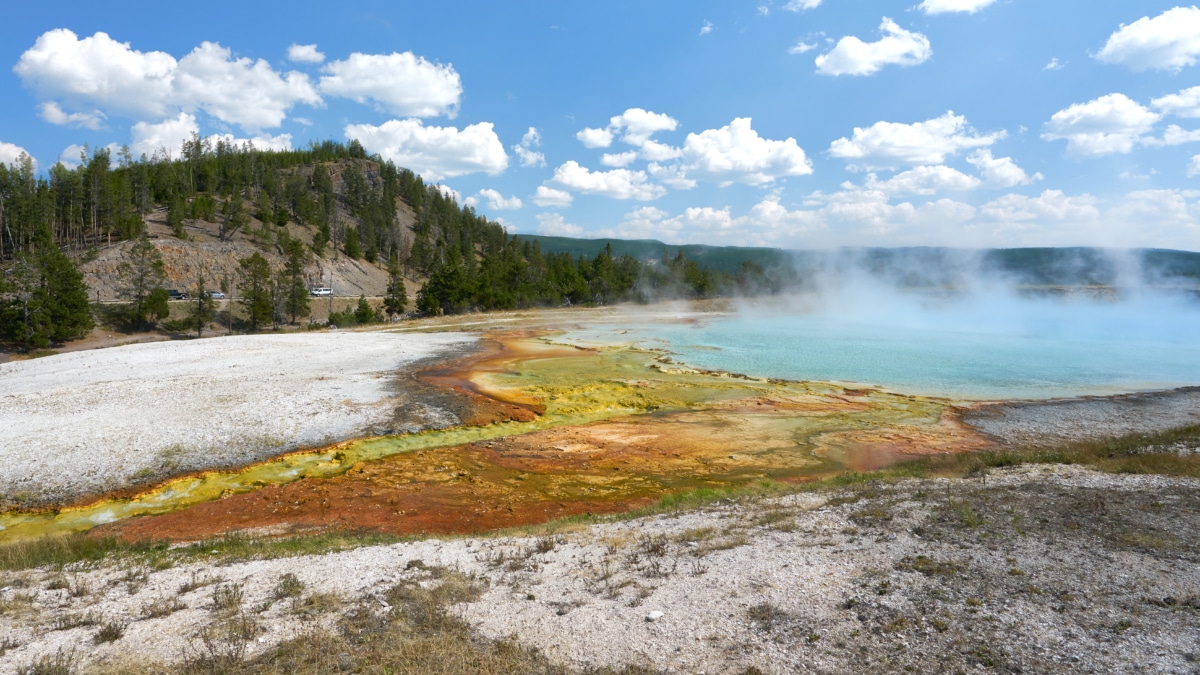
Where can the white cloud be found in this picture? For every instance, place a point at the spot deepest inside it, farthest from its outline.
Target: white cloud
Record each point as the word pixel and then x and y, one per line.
pixel 646 222
pixel 434 152
pixel 852 56
pixel 164 138
pixel 923 180
pixel 889 145
pixel 525 149
pixel 450 193
pixel 495 200
pixel 1051 205
pixel 401 83
pixel 800 5
pixel 1055 64
pixel 706 28
pixel 261 142
pixel 801 47
pixel 595 138
pixel 1194 166
pixel 305 54
pixel 553 225
pixel 944 6
pixel 1184 104
pixel 615 184
pixel 619 159
pixel 98 71
pixel 239 91
pixel 736 153
pixel 1174 135
pixel 9 154
pixel 1169 41
pixel 549 197
pixel 54 114
pixel 670 174
pixel 1000 173
pixel 635 126
pixel 81 81
pixel 1106 125
pixel 72 155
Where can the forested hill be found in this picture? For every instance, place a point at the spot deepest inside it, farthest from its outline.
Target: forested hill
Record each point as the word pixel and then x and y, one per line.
pixel 273 223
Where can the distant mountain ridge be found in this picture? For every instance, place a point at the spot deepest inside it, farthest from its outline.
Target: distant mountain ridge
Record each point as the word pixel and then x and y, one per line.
pixel 918 265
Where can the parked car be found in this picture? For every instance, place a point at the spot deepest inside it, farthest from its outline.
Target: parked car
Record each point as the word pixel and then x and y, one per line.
pixel 321 292
pixel 216 295
pixel 173 294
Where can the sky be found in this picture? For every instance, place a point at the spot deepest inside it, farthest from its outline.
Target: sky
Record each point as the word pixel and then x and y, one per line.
pixel 783 123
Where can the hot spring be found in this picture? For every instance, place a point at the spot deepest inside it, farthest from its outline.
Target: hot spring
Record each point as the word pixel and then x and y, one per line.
pixel 977 346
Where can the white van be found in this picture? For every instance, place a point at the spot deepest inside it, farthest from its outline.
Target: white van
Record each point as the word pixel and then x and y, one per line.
pixel 321 292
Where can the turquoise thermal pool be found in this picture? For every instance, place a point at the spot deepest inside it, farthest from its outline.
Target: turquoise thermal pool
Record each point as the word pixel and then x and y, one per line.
pixel 972 348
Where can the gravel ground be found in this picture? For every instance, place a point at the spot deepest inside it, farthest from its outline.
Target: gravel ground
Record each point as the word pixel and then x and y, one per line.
pixel 87 422
pixel 1031 569
pixel 1087 418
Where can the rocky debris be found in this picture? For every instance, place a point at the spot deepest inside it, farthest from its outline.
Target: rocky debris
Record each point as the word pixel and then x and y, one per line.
pixel 1027 569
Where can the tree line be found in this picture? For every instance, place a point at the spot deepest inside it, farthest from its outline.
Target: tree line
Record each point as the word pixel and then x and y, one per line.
pixel 347 202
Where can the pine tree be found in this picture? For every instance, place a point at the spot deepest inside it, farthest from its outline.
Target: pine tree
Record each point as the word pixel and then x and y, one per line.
pixel 295 295
pixel 397 296
pixel 256 290
pixel 202 309
pixel 142 271
pixel 47 299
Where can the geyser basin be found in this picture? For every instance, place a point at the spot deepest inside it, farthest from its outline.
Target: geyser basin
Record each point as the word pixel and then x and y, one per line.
pixel 977 347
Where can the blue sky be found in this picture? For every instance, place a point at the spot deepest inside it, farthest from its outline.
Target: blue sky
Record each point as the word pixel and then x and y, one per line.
pixel 792 123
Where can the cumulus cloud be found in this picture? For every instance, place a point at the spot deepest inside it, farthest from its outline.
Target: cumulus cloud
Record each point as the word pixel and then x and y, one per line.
pixel 802 47
pixel 1169 41
pixel 634 127
pixel 54 114
pixel 495 200
pixel 305 54
pixel 619 159
pixel 801 5
pixel 9 154
pixel 400 83
pixel 239 91
pixel 1194 166
pixel 595 138
pixel 81 81
pixel 1055 64
pixel 551 198
pixel 1000 173
pixel 554 225
pixel 525 149
pixel 852 56
pixel 615 184
pixel 924 180
pixel 98 71
pixel 164 138
pixel 1184 104
pixel 646 222
pixel 450 193
pixel 944 6
pixel 1174 135
pixel 434 152
pixel 1106 125
pixel 736 153
pixel 889 145
pixel 72 155
pixel 261 141
pixel 706 28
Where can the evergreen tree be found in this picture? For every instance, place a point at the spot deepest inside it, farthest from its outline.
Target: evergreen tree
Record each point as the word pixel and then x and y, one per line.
pixel 397 296
pixel 295 294
pixel 142 271
pixel 47 299
pixel 202 309
pixel 256 290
